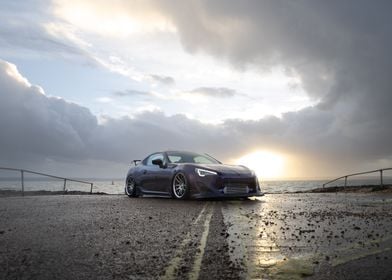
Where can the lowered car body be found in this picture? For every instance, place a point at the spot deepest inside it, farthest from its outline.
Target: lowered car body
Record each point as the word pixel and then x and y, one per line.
pixel 189 175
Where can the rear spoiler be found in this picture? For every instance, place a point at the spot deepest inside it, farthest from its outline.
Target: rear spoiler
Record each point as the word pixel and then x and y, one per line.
pixel 136 161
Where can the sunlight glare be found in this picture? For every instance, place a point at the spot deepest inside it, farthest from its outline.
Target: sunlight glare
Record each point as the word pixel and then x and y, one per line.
pixel 266 164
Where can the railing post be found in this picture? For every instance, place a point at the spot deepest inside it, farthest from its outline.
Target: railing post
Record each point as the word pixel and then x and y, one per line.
pixel 381 179
pixel 65 184
pixel 23 171
pixel 345 181
pixel 22 180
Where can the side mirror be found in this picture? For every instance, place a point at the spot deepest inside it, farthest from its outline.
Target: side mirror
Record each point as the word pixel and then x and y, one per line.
pixel 135 162
pixel 158 161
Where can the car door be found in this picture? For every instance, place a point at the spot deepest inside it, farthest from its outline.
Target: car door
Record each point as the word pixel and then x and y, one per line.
pixel 150 172
pixel 163 177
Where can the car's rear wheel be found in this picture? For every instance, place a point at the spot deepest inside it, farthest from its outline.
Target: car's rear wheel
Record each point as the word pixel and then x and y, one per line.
pixel 180 187
pixel 130 188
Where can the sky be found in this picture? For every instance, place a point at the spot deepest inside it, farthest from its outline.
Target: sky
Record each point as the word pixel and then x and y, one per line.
pixel 292 89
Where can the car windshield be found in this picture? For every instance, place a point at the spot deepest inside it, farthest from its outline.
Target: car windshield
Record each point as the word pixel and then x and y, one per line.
pixel 186 157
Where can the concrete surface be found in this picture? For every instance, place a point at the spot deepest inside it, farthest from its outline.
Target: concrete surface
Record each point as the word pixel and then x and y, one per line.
pixel 287 236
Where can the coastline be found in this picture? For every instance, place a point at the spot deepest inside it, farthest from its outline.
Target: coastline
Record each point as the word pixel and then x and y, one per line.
pixel 352 189
pixel 363 189
pixel 6 193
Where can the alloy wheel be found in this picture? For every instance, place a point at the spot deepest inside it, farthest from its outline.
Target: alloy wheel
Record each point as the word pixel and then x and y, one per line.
pixel 179 186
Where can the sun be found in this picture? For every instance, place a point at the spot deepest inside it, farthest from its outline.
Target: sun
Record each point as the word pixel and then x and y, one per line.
pixel 266 164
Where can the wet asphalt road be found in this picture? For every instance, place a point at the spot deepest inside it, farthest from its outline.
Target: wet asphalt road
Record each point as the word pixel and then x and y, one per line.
pixel 288 236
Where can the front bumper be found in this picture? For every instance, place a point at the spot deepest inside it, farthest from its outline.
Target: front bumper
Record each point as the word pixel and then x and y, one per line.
pixel 224 186
pixel 221 195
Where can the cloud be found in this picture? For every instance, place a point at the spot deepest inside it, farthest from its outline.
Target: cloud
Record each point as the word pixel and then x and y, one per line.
pixel 33 124
pixel 130 92
pixel 166 80
pixel 339 51
pixel 29 28
pixel 37 129
pixel 333 47
pixel 218 92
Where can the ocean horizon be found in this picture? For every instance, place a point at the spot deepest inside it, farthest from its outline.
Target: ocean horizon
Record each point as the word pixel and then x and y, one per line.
pixel 116 185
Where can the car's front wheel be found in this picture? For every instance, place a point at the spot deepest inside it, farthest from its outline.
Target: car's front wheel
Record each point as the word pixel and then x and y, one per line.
pixel 130 188
pixel 180 186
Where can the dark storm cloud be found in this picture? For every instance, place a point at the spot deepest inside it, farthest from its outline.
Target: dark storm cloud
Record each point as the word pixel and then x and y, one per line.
pixel 33 124
pixel 340 50
pixel 324 42
pixel 218 92
pixel 38 129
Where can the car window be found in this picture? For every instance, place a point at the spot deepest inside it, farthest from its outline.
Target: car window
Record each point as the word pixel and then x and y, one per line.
pixel 187 157
pixel 154 156
pixel 174 159
pixel 201 159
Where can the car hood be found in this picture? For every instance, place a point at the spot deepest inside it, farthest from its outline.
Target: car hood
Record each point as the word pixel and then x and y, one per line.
pixel 227 169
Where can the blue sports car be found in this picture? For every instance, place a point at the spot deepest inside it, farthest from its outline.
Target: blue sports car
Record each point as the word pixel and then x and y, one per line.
pixel 184 175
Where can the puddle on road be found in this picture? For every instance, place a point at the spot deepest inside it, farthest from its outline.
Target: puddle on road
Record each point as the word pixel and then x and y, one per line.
pixel 292 269
pixel 253 247
pixel 292 236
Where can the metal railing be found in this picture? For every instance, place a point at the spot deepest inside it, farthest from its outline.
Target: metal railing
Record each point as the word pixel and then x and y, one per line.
pixel 345 177
pixel 23 171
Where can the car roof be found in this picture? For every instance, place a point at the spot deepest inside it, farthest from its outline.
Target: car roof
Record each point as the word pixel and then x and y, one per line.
pixel 178 151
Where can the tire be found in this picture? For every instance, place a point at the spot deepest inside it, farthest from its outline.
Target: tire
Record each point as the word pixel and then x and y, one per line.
pixel 130 188
pixel 180 187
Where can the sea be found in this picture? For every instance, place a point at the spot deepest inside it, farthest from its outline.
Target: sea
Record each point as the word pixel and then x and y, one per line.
pixel 116 185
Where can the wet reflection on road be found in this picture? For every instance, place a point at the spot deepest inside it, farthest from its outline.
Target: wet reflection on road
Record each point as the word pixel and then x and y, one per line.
pixel 292 236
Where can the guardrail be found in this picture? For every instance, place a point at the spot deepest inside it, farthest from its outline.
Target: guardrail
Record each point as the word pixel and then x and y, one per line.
pixel 360 173
pixel 23 171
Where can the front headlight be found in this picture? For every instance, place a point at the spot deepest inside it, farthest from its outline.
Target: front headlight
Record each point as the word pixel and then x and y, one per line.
pixel 204 172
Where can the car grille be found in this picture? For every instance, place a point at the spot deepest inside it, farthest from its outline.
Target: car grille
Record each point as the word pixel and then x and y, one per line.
pixel 236 189
pixel 238 185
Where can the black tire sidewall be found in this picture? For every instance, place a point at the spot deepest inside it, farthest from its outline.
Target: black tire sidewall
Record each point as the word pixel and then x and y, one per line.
pixel 133 193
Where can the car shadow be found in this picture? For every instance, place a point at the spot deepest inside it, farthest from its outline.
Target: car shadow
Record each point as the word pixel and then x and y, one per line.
pixel 237 199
